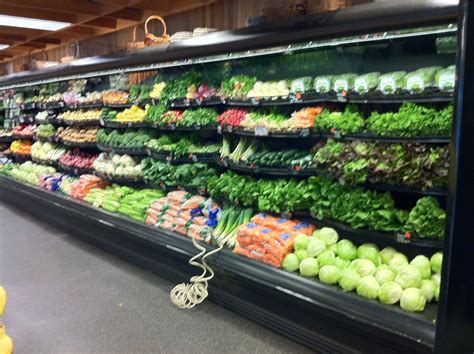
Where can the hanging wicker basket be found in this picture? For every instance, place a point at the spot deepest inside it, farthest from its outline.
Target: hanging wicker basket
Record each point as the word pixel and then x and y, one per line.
pixel 152 39
pixel 69 58
pixel 136 44
pixel 34 64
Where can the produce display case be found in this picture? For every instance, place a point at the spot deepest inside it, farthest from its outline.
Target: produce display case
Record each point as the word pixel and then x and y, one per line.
pixel 339 47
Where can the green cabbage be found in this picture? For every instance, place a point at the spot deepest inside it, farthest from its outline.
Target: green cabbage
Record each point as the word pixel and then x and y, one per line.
pixel 398 262
pixel 390 293
pixel 445 78
pixel 428 288
pixel 291 263
pixel 412 300
pixel 349 279
pixel 364 267
pixel 342 263
pixel 418 80
pixel 369 251
pixel 326 258
pixel 437 279
pixel 346 250
pixel 384 275
pixel 423 264
pixel 301 254
pixel 329 274
pixel 316 247
pixel 309 267
pixel 323 84
pixel 301 242
pixel 344 82
pixel 409 277
pixel 436 262
pixel 327 234
pixel 387 254
pixel 368 287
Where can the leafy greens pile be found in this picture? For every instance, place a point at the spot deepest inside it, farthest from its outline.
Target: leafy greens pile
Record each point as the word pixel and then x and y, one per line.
pixel 181 145
pixel 415 165
pixel 193 175
pixel 128 139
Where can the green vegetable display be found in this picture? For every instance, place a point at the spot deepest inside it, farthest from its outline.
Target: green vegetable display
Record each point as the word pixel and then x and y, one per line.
pixel 388 282
pixel 201 116
pixel 347 122
pixel 180 145
pixel 189 175
pixel 237 86
pixel 124 140
pixel 178 88
pixel 366 82
pixel 415 165
pixel 427 219
pixel 46 131
pixel 412 120
pixel 134 205
pixel 154 114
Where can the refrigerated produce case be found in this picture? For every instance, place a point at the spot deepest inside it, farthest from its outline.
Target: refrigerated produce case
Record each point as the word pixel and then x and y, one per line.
pixel 384 38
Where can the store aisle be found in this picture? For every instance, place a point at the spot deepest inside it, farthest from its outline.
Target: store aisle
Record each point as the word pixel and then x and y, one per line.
pixel 67 296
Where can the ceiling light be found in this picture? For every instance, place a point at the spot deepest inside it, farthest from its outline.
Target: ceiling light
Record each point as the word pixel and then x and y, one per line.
pixel 3 46
pixel 25 22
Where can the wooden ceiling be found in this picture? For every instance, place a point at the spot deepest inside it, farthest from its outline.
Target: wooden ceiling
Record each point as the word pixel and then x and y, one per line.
pixel 89 18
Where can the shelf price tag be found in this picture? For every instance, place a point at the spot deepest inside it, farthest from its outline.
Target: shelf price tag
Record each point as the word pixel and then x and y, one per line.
pixel 260 130
pixel 219 129
pixel 198 102
pixel 172 127
pixel 194 158
pixel 341 97
pixel 255 101
pixel 197 126
pixel 304 132
pixel 336 133
pixel 101 121
pixel 403 237
pixel 21 119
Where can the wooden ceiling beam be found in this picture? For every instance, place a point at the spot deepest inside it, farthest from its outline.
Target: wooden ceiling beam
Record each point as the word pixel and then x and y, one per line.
pixel 12 37
pixel 32 45
pixel 38 13
pixel 68 6
pixel 128 13
pixel 102 22
pixel 45 40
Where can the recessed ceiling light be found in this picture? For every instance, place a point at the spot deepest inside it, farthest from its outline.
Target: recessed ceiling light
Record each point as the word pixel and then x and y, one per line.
pixel 26 22
pixel 3 46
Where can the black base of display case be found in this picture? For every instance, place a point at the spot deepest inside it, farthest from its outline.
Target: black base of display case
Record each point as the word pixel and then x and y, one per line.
pixel 319 316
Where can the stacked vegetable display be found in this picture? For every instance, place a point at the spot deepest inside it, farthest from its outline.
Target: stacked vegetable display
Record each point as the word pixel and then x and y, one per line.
pixel 385 275
pixel 117 166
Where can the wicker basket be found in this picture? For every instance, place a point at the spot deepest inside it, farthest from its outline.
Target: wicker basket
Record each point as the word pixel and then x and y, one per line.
pixel 70 58
pixel 152 39
pixel 34 64
pixel 136 44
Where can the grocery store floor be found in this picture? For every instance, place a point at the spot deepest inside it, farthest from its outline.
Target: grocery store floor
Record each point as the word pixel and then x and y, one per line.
pixel 67 296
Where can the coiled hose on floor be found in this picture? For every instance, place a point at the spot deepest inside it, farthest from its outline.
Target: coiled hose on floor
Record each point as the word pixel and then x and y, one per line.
pixel 186 296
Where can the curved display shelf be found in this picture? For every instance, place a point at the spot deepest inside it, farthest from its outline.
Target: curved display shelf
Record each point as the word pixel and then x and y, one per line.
pixel 263 132
pixel 45 162
pixel 189 158
pixel 20 158
pixel 122 151
pixel 121 180
pixel 117 105
pixel 87 145
pixel 85 122
pixel 83 106
pixel 51 139
pixel 269 171
pixel 6 139
pixel 388 139
pixel 197 128
pixel 22 137
pixel 195 103
pixel 77 171
pixel 122 125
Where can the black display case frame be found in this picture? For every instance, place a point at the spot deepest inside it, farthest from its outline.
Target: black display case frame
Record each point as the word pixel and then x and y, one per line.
pixel 320 318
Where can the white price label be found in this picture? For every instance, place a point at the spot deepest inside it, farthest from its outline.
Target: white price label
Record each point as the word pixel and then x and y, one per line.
pixel 261 130
pixel 322 85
